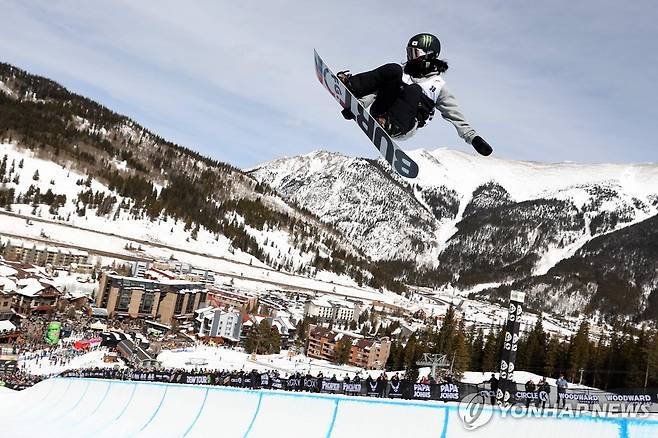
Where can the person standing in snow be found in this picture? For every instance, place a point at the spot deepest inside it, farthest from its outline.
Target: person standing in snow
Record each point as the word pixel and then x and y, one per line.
pixel 493 385
pixel 562 386
pixel 403 98
pixel 545 388
pixel 530 387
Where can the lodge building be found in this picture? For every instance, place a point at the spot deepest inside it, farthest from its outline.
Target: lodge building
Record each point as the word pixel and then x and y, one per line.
pixel 163 300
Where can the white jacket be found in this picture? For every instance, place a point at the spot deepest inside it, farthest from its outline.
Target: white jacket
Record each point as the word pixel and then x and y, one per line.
pixel 434 87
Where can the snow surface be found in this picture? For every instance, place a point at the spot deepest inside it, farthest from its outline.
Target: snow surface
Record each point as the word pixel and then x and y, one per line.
pixel 229 359
pixel 526 180
pixel 6 326
pixel 87 407
pixel 5 89
pixel 45 367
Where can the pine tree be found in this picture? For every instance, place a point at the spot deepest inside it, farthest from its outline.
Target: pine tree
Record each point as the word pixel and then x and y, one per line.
pixel 3 168
pixel 551 358
pixel 444 342
pixel 343 350
pixel 578 353
pixel 460 352
pixel 477 351
pixel 491 353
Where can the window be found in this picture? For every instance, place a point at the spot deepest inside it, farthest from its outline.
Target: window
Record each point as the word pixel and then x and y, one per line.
pixel 146 305
pixel 106 294
pixel 179 303
pixel 190 303
pixel 124 300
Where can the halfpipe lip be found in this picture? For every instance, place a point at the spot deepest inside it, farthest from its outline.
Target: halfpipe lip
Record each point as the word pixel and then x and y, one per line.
pixel 426 404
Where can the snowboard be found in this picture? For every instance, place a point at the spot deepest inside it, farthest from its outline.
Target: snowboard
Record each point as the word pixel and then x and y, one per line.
pixel 391 152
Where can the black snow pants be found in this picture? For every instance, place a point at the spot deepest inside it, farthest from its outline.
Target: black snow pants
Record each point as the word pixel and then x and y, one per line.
pixel 401 101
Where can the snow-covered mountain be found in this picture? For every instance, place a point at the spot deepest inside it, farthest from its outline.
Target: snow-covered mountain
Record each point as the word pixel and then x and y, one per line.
pixel 70 160
pixel 473 220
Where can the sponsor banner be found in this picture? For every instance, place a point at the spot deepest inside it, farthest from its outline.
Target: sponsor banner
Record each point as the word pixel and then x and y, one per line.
pixel 264 380
pixel 311 383
pixel 580 397
pixel 448 391
pixel 352 388
pixel 330 386
pixel 294 384
pixel 397 388
pixel 160 377
pixel 278 383
pixel 629 398
pixel 422 391
pixel 236 381
pixel 373 388
pixel 8 366
pixel 532 395
pixel 53 332
pixel 506 383
pixel 197 380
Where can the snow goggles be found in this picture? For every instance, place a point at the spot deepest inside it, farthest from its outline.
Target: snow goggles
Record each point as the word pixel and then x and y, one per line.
pixel 415 52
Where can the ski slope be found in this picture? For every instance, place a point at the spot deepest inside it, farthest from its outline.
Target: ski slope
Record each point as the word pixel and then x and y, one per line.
pixel 100 408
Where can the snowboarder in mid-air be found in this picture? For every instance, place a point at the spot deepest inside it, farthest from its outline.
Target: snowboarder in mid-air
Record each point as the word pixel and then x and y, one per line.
pixel 402 98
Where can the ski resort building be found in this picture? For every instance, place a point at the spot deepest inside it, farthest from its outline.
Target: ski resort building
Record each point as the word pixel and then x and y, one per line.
pixel 328 309
pixel 175 269
pixel 164 300
pixel 370 354
pixel 25 289
pixel 213 322
pixel 6 298
pixel 230 298
pixel 42 255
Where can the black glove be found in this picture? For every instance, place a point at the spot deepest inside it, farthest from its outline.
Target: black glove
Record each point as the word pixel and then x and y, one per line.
pixel 347 113
pixel 481 146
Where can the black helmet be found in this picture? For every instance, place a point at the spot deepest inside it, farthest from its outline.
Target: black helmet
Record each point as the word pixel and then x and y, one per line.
pixel 423 45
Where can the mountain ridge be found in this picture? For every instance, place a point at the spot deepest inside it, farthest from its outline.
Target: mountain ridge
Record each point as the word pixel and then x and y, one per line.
pixel 484 220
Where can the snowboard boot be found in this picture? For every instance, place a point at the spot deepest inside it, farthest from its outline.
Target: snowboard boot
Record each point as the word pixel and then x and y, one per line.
pixel 344 76
pixel 389 125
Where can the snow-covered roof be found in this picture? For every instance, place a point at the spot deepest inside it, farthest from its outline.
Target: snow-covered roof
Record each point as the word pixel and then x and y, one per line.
pixel 286 322
pixel 29 287
pixel 52 249
pixel 168 282
pixel 329 301
pixel 6 326
pixel 7 271
pixel 7 284
pixel 99 312
pixel 75 294
pixel 98 326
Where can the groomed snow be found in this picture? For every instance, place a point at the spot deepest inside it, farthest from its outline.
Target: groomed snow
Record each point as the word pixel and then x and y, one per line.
pixel 87 407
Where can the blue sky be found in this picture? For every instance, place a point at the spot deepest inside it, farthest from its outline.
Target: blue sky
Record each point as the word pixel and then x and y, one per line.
pixel 544 81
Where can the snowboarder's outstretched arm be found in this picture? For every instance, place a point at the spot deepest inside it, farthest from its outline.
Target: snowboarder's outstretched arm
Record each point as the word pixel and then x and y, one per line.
pixel 449 109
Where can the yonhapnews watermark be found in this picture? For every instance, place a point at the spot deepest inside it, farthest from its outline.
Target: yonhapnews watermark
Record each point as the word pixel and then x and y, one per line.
pixel 475 412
